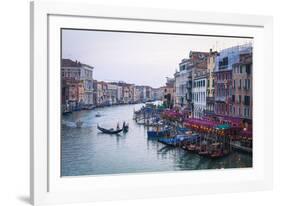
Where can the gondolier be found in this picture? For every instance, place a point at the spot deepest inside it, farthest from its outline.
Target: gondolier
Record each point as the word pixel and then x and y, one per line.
pixel 125 127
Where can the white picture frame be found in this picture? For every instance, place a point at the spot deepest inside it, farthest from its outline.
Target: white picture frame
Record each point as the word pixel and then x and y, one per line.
pixel 47 18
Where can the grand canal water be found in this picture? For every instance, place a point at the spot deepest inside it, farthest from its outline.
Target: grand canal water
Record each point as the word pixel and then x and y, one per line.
pixel 86 151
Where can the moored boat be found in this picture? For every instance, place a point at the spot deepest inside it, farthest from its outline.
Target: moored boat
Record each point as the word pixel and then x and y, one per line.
pixel 203 151
pixel 191 148
pixel 174 141
pixel 157 134
pixel 217 151
pixel 182 130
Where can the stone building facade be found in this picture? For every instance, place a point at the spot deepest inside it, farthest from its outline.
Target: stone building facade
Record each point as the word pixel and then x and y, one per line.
pixel 223 86
pixel 242 101
pixel 225 61
pixel 73 74
pixel 199 94
pixel 210 99
pixel 168 92
pixel 184 78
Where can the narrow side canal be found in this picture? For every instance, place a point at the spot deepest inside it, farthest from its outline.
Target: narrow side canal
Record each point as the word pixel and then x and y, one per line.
pixel 86 151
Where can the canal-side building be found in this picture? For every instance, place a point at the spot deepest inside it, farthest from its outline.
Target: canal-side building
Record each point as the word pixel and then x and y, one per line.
pixel 210 99
pixel 223 77
pixel 148 93
pixel 198 70
pixel 199 94
pixel 87 78
pixel 168 92
pixel 107 93
pixel 199 60
pixel 157 94
pixel 96 93
pixel 223 85
pixel 242 87
pixel 80 73
pixel 114 93
pixel 72 94
pixel 140 93
pixel 223 82
pixel 129 93
pixel 183 83
pixel 119 94
pixel 185 77
pixel 101 96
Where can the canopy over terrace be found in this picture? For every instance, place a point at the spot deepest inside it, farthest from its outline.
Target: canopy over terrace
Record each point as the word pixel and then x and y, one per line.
pixel 201 123
pixel 234 121
pixel 210 126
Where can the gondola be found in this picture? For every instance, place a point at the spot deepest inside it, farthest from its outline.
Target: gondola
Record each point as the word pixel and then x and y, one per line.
pixel 109 131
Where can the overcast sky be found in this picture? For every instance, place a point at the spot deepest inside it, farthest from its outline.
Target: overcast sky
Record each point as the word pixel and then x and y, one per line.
pixel 142 59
